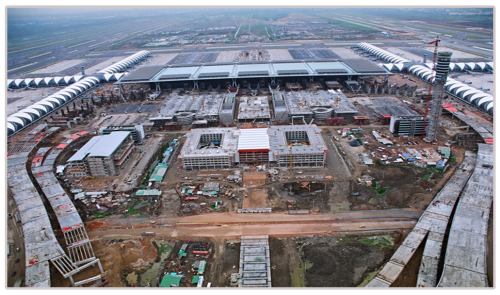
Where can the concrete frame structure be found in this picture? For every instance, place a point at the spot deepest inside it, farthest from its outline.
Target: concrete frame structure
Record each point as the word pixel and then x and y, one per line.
pixel 431 226
pixel 311 105
pixel 407 125
pixel 102 155
pixel 40 242
pixel 224 148
pixel 254 108
pixel 137 131
pixel 255 262
pixel 465 259
pixel 185 108
pixel 195 157
pixel 309 155
pixel 435 105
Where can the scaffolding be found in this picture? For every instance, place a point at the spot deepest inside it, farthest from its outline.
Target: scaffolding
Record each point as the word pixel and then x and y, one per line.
pixel 435 104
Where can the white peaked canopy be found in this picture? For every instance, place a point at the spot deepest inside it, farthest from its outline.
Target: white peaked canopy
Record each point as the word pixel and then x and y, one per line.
pixel 69 79
pixel 15 120
pixel 80 84
pixel 484 100
pixel 11 127
pixel 19 82
pixel 29 81
pixel 460 65
pixel 25 117
pixel 33 111
pixel 471 65
pixel 48 80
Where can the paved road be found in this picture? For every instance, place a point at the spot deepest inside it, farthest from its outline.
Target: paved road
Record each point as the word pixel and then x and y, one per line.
pixel 232 224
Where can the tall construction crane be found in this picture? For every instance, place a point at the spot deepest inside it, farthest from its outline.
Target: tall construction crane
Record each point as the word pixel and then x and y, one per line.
pixel 429 93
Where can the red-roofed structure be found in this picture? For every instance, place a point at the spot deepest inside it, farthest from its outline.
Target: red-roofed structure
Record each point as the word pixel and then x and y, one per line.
pixel 449 107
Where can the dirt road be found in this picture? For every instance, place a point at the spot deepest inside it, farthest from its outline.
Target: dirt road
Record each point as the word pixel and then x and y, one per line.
pixel 235 225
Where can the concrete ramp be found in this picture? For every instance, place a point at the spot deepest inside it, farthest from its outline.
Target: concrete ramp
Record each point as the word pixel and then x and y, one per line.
pixel 255 264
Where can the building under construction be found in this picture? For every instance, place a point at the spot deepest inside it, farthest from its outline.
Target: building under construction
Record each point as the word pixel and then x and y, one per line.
pixel 434 105
pixel 306 106
pixel 224 148
pixel 302 143
pixel 254 108
pixel 186 108
pixel 407 126
pixel 103 155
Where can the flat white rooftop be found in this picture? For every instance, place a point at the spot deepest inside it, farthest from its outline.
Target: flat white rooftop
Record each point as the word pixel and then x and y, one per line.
pixel 253 139
pixel 101 146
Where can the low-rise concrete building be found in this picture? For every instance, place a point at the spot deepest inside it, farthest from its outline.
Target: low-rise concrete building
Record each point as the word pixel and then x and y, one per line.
pixel 103 155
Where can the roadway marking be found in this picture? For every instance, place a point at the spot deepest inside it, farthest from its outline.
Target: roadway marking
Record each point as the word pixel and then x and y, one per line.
pixel 22 67
pixel 486 49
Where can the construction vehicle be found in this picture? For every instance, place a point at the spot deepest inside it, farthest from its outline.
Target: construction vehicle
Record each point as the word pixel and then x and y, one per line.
pixel 148 233
pixel 305 185
pixel 89 177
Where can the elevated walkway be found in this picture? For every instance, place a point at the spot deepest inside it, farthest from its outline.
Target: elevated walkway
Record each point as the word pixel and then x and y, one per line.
pixel 430 227
pixel 40 242
pixel 465 259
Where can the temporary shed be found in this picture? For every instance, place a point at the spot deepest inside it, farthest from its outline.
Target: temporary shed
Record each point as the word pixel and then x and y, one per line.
pixel 158 173
pixel 171 281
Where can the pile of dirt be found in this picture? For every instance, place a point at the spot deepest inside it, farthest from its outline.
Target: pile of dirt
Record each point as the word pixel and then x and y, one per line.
pixel 117 261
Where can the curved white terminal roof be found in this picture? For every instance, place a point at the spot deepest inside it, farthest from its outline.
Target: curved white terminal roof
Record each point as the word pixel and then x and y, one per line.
pixel 127 62
pixel 47 81
pixel 470 66
pixel 80 84
pixel 465 92
pixel 382 54
pixel 483 100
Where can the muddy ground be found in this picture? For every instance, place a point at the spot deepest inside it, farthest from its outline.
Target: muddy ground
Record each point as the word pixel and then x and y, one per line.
pixel 403 189
pixel 329 261
pixel 312 261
